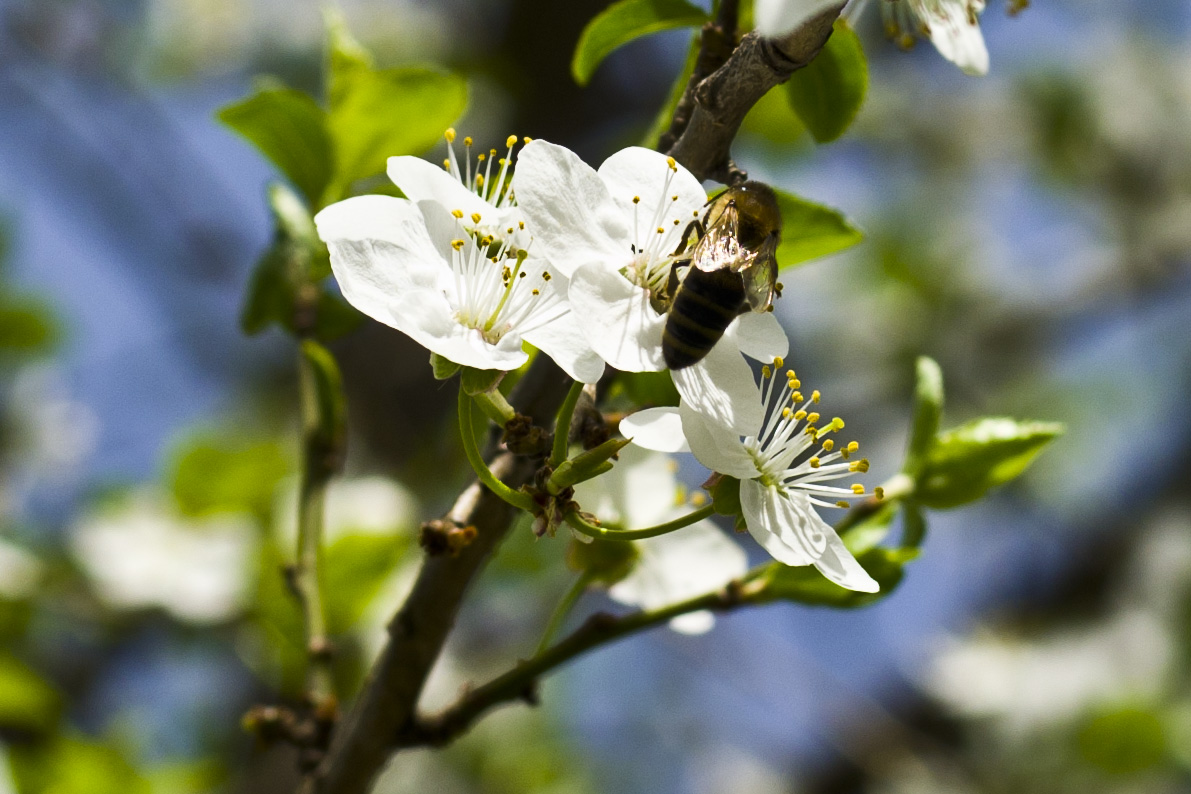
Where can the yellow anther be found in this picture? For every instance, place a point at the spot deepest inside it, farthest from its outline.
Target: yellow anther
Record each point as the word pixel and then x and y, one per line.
pixel 676 221
pixel 879 492
pixel 796 396
pixel 765 373
pixel 812 417
pixel 661 230
pixel 521 225
pixel 811 430
pixel 509 230
pixel 698 499
pixel 467 141
pixel 816 396
pixel 670 162
pixel 475 217
pixel 695 213
pixel 492 153
pixel 842 503
pixel 843 453
pixel 481 158
pixel 511 141
pixel 636 199
pixel 814 462
pixel 778 363
pixel 674 198
pixel 545 275
pixel 862 465
pixel 853 446
pixel 795 383
pixel 458 244
pixel 527 139
pixel 457 213
pixel 837 423
pixel 858 489
pixel 502 161
pixel 828 445
pixel 800 415
pixel 785 413
pixel 449 134
pixel 535 291
pixel 479 180
pixel 446 164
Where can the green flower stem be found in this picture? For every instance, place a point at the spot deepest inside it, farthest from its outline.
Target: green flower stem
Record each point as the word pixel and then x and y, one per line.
pixel 467 433
pixel 562 425
pixel 520 682
pixel 592 531
pixel 899 486
pixel 495 406
pixel 564 607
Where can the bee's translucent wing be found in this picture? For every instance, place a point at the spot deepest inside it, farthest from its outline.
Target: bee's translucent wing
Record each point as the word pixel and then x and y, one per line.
pixel 719 248
pixel 761 276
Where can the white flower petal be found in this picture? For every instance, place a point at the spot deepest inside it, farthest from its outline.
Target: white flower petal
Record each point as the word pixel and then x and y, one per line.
pixel 639 491
pixel 715 445
pixel 423 322
pixel 644 173
pixel 681 565
pixel 765 515
pixel 759 335
pixel 838 565
pixel 956 38
pixel 422 181
pixel 616 316
pixel 568 210
pixel 693 623
pixel 721 387
pixel 567 345
pixel 658 429
pixel 381 254
pixel 779 17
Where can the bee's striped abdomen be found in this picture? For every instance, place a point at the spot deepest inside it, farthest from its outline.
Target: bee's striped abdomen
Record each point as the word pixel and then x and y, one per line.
pixel 706 303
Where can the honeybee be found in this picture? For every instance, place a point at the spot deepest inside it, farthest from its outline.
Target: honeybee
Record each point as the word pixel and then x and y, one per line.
pixel 730 269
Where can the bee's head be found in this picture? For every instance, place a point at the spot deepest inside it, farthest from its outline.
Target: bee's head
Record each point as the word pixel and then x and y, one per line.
pixel 756 209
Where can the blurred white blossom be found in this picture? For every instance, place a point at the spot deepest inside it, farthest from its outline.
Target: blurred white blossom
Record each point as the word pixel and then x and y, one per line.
pixel 141 552
pixel 20 571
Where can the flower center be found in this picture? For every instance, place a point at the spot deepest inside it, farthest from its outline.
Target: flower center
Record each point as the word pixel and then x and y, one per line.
pixel 793 451
pixel 495 293
pixel 657 241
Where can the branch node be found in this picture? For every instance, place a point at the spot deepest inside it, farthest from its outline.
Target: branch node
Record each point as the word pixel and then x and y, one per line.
pixel 444 536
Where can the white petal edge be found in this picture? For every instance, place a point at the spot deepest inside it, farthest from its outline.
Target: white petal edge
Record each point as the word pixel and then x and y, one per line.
pixel 722 388
pixel 957 39
pixel 763 516
pixel 421 181
pixel 658 429
pixel 641 172
pixel 838 565
pixel 716 446
pixel 759 335
pixel 568 210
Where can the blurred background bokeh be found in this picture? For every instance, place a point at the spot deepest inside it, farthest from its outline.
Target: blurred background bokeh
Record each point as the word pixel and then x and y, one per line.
pixel 1031 230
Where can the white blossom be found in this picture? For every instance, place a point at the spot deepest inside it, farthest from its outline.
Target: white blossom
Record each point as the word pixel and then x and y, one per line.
pixel 614 232
pixel 642 491
pixel 783 464
pixel 143 553
pixel 417 268
pixel 778 17
pixel 953 26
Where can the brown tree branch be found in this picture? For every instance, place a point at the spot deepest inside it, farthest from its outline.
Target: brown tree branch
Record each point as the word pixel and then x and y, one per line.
pixel 724 98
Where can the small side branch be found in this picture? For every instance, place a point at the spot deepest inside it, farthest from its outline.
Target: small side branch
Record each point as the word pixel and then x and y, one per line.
pixel 724 98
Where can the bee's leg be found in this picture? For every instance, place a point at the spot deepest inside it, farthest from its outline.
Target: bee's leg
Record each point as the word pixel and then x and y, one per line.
pixel 672 283
pixel 686 236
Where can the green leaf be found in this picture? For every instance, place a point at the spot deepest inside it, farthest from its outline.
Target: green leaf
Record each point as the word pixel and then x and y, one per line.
pixel 585 465
pixel 284 267
pixel 355 568
pixel 212 474
pixel 649 389
pixel 725 495
pixel 827 93
pixel 805 585
pixel 928 408
pixel 478 381
pixel 72 765
pixel 1123 742
pixel 443 368
pixel 346 57
pixel 379 114
pixel 914 526
pixel 870 531
pixel 773 120
pixel 967 461
pixel 26 326
pixel 811 230
pixel 28 703
pixel 621 22
pixel 290 129
pixel 665 114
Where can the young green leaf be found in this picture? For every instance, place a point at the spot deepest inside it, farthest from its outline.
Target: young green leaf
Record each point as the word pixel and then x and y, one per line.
pixel 805 585
pixel 869 531
pixel 624 21
pixel 290 129
pixel 215 474
pixel 443 368
pixel 928 408
pixel 28 703
pixel 827 93
pixel 811 230
pixel 380 114
pixel 965 462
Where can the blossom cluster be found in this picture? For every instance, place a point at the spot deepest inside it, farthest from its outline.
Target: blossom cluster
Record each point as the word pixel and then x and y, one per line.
pixel 484 256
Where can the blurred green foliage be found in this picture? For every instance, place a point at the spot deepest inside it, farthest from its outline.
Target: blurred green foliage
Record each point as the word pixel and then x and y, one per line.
pixel 212 473
pixel 828 92
pixel 623 21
